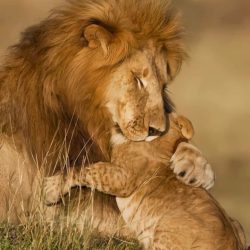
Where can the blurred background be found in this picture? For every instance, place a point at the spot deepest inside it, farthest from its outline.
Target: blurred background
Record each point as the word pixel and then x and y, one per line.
pixel 213 89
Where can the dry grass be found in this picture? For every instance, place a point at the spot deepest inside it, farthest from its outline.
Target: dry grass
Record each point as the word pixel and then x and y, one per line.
pixel 212 90
pixel 41 237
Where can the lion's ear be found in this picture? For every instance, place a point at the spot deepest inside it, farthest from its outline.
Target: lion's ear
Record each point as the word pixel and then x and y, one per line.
pixel 173 67
pixel 98 36
pixel 176 54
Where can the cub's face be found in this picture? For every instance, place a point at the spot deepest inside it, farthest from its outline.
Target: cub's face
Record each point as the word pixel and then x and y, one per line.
pixel 136 95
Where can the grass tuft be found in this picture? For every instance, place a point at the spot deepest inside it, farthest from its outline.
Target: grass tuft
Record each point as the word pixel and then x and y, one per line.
pixel 41 237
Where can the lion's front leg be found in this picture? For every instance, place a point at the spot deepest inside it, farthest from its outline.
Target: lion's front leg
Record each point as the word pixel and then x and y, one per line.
pixel 191 167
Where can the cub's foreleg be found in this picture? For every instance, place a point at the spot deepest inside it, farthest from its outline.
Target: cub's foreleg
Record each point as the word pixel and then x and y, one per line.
pixel 188 162
pixel 105 177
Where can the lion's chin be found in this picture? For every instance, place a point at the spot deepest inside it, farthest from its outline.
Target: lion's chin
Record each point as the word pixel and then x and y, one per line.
pixel 151 138
pixel 139 138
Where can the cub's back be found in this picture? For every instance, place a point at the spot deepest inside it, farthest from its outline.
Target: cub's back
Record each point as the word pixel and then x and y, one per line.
pixel 175 209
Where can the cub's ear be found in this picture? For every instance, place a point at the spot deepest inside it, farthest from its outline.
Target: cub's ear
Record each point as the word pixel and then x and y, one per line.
pixel 98 36
pixel 184 125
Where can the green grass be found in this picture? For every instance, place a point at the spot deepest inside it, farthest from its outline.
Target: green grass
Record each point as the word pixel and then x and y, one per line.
pixel 41 237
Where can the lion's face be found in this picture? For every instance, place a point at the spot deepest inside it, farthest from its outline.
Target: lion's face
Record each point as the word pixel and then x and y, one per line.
pixel 119 65
pixel 136 92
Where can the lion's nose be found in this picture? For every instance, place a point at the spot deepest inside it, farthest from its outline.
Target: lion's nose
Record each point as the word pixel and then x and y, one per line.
pixel 154 132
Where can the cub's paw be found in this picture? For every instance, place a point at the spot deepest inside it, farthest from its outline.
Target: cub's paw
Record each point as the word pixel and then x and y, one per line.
pixel 191 167
pixel 52 189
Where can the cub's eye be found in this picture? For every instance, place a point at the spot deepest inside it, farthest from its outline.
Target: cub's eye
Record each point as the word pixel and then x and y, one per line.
pixel 139 83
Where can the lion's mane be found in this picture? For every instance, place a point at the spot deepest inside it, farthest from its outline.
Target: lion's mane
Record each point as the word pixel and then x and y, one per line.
pixel 51 88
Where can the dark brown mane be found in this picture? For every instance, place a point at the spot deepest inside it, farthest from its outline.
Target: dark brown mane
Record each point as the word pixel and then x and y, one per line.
pixel 49 65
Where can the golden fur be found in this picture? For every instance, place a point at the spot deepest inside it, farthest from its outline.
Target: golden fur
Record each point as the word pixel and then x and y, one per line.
pixel 161 211
pixel 57 108
pixel 52 74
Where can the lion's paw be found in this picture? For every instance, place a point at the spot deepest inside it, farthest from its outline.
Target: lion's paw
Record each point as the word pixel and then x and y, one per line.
pixel 52 189
pixel 191 167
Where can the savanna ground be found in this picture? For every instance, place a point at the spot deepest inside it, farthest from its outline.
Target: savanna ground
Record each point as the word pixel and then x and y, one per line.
pixel 213 90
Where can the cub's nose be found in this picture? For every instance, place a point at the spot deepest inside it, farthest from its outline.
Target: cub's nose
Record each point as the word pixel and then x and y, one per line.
pixel 154 132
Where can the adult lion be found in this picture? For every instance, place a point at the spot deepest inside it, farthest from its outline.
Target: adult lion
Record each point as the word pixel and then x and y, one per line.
pixel 59 97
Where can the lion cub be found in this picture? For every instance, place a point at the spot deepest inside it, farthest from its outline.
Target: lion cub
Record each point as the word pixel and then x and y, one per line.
pixel 159 209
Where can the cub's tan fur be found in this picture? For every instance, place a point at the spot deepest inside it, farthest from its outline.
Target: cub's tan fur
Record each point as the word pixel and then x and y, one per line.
pixel 161 211
pixel 88 68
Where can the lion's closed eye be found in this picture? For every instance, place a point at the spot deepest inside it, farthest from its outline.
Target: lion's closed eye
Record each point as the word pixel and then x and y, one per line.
pixel 140 83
